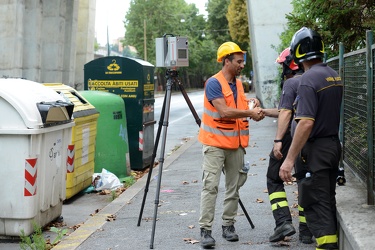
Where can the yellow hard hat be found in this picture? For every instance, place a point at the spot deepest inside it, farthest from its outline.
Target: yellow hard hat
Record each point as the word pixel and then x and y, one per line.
pixel 227 48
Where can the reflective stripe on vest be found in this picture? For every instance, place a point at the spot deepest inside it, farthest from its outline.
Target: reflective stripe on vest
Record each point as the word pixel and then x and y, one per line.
pixel 225 132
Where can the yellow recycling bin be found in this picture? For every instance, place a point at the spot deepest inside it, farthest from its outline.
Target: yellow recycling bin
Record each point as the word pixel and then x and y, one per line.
pixel 81 150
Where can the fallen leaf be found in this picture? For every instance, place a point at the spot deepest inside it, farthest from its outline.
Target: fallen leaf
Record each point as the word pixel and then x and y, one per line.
pixel 111 217
pixel 295 205
pixel 260 200
pixel 191 226
pixel 262 159
pixel 195 181
pixel 96 211
pixel 294 213
pixel 265 191
pixel 75 227
pixel 185 182
pixel 191 241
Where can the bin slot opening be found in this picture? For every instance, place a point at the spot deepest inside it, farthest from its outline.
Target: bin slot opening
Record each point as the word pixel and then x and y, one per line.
pixel 55 112
pixel 75 94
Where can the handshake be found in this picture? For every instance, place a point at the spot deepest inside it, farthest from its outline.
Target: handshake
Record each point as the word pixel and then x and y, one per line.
pixel 255 112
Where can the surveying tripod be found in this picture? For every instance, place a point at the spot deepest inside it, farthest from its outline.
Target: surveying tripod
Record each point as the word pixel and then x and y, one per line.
pixel 172 77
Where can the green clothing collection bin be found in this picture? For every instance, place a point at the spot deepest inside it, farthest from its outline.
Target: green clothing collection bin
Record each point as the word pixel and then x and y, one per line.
pixel 112 146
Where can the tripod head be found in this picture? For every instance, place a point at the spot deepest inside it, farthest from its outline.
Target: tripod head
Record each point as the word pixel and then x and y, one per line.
pixel 171 73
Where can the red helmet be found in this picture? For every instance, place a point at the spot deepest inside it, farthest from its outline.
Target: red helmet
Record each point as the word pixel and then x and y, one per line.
pixel 286 58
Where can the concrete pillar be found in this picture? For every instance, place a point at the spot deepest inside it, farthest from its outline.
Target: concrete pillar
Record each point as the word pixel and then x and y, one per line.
pixel 32 23
pixel 266 22
pixel 70 48
pixel 53 40
pixel 11 41
pixel 47 41
pixel 85 39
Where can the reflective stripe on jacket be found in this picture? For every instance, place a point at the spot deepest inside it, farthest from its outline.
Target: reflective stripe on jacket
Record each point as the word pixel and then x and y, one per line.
pixel 229 133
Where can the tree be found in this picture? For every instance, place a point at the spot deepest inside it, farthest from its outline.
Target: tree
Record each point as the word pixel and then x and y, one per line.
pixel 217 23
pixel 337 21
pixel 239 29
pixel 172 17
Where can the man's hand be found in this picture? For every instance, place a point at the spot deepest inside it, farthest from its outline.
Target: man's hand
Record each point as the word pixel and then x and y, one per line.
pixel 257 114
pixel 277 150
pixel 285 172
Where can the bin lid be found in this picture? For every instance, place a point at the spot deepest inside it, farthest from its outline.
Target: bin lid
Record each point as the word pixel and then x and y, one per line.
pixel 81 106
pixel 37 105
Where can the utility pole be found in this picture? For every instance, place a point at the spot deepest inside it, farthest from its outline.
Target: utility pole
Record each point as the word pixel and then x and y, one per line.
pixel 144 40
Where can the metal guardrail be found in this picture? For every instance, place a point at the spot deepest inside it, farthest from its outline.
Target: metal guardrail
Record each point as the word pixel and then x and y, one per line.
pixel 357 120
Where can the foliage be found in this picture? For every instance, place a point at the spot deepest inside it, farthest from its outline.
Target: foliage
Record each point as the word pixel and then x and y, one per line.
pixel 239 28
pixel 34 242
pixel 37 242
pixel 171 17
pixel 337 21
pixel 60 233
pixel 160 17
pixel 178 18
pixel 217 23
pixel 238 21
pixel 130 180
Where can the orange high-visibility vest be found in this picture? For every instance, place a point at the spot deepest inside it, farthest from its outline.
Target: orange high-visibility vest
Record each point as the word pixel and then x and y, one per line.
pixel 228 133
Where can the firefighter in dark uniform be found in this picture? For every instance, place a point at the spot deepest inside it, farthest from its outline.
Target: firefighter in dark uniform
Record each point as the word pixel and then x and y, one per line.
pixel 290 74
pixel 317 115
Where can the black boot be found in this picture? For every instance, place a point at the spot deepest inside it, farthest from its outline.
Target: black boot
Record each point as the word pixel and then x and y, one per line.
pixel 285 229
pixel 306 239
pixel 229 233
pixel 206 239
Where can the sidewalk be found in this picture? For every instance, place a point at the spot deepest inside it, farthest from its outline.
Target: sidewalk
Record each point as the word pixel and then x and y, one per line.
pixel 178 211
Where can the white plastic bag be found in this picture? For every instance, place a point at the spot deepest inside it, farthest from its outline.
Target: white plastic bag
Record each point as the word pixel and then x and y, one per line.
pixel 107 180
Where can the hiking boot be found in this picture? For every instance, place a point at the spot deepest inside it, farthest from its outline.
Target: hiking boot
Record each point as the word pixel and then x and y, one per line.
pixel 206 239
pixel 229 233
pixel 285 229
pixel 306 239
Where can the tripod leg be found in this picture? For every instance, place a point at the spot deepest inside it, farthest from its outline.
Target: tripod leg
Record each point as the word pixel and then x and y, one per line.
pixel 161 161
pixel 152 161
pixel 246 214
pixel 198 121
pixel 191 107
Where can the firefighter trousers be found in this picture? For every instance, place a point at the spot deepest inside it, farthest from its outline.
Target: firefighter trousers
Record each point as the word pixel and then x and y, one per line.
pixel 317 193
pixel 276 190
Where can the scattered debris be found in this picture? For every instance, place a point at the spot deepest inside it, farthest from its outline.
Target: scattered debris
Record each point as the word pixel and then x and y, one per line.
pixel 96 211
pixel 191 226
pixel 190 240
pixel 259 200
pixel 111 217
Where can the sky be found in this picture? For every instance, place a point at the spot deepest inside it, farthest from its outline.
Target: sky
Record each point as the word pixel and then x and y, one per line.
pixel 114 17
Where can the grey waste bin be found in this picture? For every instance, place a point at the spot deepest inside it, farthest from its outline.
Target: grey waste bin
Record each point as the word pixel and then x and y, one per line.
pixel 35 130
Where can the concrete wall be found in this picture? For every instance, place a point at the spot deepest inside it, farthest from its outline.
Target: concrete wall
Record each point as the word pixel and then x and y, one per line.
pixel 46 40
pixel 85 38
pixel 266 22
